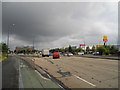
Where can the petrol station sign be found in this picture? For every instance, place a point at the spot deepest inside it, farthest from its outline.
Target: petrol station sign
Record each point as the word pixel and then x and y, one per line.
pixel 105 38
pixel 82 45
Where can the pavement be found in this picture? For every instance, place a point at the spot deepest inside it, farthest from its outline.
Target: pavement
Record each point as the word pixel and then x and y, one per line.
pixel 17 73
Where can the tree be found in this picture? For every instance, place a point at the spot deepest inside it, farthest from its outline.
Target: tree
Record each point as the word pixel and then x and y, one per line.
pixel 93 48
pixel 113 50
pixel 0 47
pixel 4 48
pixel 101 50
pixel 87 48
pixel 79 50
pixel 70 48
pixel 107 51
pixel 66 50
pixel 62 50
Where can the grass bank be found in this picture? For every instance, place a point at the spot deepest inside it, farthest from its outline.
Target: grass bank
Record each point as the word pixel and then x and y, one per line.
pixel 2 58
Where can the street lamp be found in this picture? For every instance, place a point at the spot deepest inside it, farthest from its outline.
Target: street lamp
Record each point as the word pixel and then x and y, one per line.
pixel 8 39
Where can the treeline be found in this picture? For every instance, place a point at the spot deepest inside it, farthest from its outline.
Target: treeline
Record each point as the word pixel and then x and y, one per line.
pixel 103 50
pixel 4 49
pixel 66 50
pixel 108 50
pixel 25 51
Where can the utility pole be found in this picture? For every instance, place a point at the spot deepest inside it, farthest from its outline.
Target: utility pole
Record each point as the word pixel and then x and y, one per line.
pixel 8 43
pixel 84 47
pixel 33 43
pixel 104 43
pixel 8 38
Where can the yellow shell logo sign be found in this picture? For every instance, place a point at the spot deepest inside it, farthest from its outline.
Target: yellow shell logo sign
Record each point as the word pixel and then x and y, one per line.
pixel 105 38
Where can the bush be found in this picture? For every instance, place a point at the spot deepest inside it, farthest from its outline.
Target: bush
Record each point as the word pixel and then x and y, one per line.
pixel 113 50
pixel 101 50
pixel 107 50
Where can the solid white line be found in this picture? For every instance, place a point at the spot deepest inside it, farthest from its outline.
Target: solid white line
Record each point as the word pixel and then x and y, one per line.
pixel 20 78
pixel 41 75
pixel 60 86
pixel 48 75
pixel 84 80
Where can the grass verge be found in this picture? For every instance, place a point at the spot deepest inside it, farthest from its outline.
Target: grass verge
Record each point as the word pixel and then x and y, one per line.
pixel 2 58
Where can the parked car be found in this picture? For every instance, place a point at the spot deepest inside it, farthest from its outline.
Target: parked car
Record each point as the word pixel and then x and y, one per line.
pixel 56 55
pixel 96 53
pixel 70 54
pixel 50 54
pixel 65 54
pixel 80 53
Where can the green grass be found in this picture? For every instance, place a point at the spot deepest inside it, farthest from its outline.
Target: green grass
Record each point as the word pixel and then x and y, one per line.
pixel 2 58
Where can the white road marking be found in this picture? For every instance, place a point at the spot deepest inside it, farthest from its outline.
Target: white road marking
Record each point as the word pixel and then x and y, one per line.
pixel 33 60
pixel 41 75
pixel 48 75
pixel 20 78
pixel 84 80
pixel 60 86
pixel 47 79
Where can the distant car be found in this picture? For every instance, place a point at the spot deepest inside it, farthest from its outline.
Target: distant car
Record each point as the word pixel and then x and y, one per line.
pixel 20 53
pixel 70 54
pixel 50 54
pixel 56 55
pixel 65 54
pixel 80 53
pixel 40 53
pixel 96 53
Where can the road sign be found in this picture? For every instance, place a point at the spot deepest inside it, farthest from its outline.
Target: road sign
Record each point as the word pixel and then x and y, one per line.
pixel 105 38
pixel 82 46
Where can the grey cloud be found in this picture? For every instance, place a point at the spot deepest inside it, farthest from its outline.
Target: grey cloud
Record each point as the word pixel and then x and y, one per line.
pixel 49 23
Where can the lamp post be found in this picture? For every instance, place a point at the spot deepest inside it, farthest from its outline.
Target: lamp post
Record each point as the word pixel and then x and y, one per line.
pixel 8 39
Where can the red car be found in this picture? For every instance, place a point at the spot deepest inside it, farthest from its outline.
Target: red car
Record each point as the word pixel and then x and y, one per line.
pixel 56 55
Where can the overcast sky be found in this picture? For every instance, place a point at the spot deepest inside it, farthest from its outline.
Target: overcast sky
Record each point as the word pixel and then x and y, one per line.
pixel 59 24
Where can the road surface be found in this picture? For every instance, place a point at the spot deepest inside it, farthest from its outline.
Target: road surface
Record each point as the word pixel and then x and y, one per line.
pixel 10 73
pixel 81 72
pixel 104 57
pixel 18 73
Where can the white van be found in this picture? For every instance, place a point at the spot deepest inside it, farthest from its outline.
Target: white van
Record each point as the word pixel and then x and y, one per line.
pixel 45 52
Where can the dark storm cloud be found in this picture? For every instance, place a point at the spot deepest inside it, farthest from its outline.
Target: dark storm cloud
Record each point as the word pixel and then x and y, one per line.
pixel 0 21
pixel 32 20
pixel 53 24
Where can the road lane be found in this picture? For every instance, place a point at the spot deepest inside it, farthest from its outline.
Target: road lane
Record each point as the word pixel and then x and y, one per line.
pixel 10 73
pixel 100 72
pixel 103 57
pixel 18 73
pixel 33 79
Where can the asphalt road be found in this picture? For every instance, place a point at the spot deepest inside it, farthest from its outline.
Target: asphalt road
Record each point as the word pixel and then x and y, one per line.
pixel 18 73
pixel 104 57
pixel 82 72
pixel 10 73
